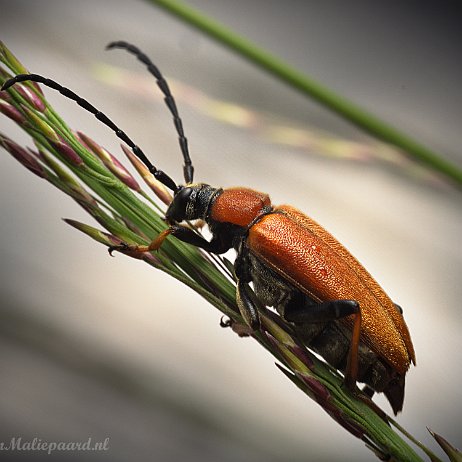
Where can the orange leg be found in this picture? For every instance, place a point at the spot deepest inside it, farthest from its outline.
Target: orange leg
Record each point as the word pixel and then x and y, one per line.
pixel 154 245
pixel 351 371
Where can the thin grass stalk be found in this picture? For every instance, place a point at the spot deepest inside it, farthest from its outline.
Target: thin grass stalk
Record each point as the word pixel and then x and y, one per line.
pixel 128 218
pixel 313 89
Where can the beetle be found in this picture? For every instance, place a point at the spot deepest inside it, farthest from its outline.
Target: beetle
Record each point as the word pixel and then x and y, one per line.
pixel 293 263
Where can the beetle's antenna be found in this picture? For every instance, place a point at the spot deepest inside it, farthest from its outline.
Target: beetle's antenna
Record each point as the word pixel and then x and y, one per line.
pixel 188 169
pixel 158 174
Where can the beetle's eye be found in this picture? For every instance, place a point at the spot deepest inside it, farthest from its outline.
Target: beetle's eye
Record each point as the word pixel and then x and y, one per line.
pixel 183 195
pixel 178 209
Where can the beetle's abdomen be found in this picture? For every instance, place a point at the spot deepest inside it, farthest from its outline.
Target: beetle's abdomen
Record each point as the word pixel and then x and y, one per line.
pixel 312 260
pixel 239 206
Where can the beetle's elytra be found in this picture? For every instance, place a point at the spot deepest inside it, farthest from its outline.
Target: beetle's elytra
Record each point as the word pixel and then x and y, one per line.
pixel 294 264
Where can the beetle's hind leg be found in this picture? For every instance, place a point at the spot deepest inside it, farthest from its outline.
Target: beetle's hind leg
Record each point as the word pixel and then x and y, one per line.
pixel 298 312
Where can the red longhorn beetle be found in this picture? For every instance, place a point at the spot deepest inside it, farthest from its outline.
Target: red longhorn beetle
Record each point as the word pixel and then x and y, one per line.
pixel 295 265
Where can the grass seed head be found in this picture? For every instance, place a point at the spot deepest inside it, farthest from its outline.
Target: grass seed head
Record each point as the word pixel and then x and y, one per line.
pixel 24 157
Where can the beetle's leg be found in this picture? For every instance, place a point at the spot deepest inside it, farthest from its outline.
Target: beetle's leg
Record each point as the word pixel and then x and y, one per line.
pixel 245 296
pixel 134 248
pixel 351 371
pixel 243 330
pixel 297 311
pixel 216 245
pixel 248 304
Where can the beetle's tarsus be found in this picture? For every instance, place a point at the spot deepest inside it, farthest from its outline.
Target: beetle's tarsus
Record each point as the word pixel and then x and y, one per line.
pixel 243 330
pixel 226 322
pixel 119 248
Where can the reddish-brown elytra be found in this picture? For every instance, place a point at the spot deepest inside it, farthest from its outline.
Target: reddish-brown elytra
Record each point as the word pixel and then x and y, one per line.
pixel 294 264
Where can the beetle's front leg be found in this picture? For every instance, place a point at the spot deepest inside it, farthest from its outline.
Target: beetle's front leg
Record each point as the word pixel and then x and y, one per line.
pixel 216 245
pixel 138 249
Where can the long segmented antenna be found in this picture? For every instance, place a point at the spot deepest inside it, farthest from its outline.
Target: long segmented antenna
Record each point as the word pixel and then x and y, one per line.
pixel 158 174
pixel 188 169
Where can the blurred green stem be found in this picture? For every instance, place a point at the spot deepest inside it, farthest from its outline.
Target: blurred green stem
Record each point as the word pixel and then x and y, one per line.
pixel 311 88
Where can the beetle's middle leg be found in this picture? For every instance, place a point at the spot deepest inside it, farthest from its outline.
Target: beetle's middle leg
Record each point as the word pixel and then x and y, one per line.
pixel 299 312
pixel 245 297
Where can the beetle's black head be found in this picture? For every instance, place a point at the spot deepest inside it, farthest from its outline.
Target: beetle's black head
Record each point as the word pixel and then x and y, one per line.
pixel 191 202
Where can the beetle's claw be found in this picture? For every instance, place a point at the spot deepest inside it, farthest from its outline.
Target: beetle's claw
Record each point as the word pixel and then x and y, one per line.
pixel 243 330
pixel 119 248
pixel 225 322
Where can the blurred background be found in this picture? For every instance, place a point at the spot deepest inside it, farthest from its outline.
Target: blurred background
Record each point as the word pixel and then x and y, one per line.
pixel 108 348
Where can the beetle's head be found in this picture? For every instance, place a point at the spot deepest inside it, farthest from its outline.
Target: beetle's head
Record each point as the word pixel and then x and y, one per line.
pixel 190 202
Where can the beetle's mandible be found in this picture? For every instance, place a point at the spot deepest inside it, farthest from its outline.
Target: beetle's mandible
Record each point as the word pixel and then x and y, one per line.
pixel 295 265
